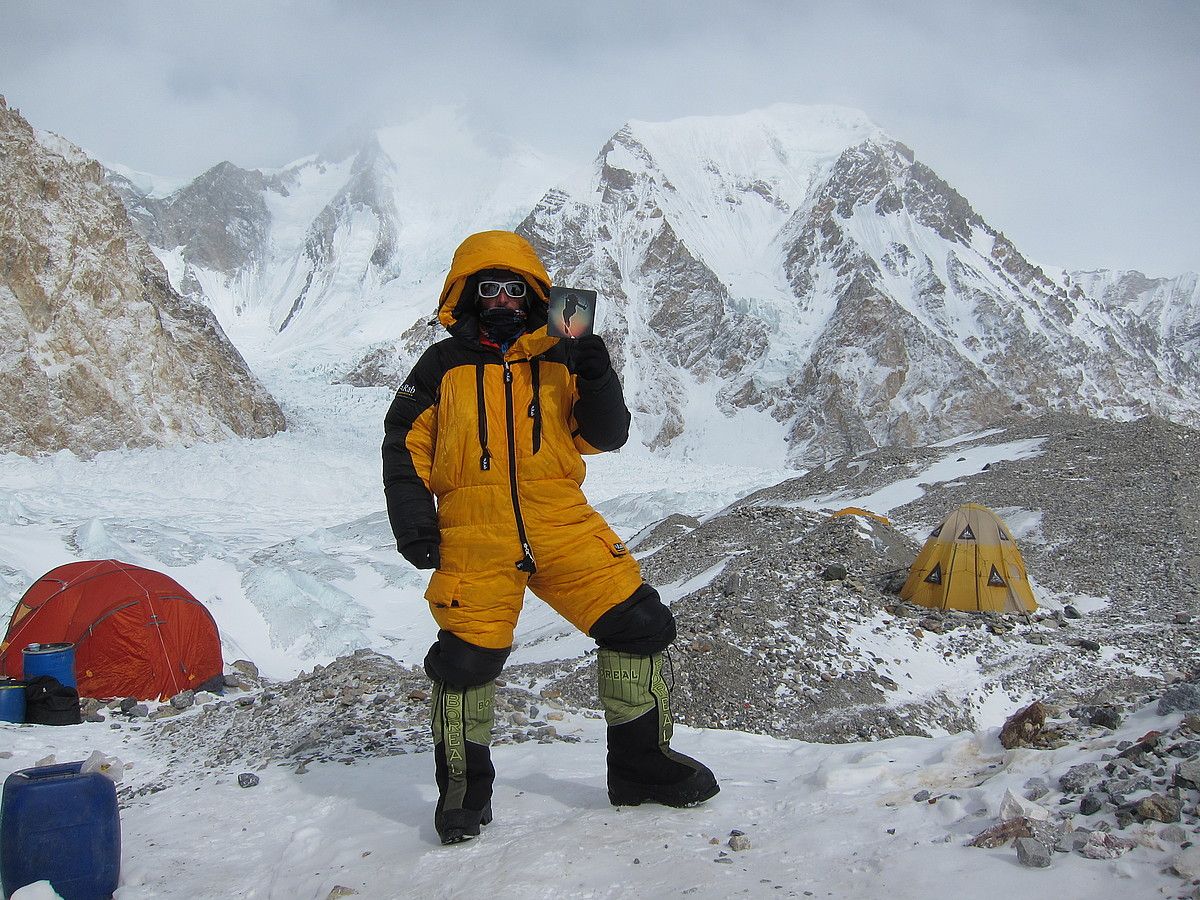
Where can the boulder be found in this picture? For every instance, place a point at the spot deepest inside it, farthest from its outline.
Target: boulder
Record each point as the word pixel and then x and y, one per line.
pixel 1023 726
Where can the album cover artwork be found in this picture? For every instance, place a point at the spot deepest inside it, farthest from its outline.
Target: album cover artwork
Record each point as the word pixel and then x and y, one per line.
pixel 572 312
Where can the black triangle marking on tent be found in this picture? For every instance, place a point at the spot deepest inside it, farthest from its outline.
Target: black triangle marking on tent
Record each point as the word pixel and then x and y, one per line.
pixel 935 577
pixel 1003 536
pixel 995 579
pixel 936 531
pixel 966 534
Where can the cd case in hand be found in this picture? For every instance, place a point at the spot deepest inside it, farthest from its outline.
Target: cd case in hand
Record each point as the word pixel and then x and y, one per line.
pixel 572 312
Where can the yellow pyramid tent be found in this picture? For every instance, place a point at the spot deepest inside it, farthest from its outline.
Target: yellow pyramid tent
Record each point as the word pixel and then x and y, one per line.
pixel 970 562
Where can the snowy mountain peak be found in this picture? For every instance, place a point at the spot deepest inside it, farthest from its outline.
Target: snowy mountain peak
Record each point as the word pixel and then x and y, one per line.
pixel 791 274
pixel 728 184
pixel 346 246
pixel 805 267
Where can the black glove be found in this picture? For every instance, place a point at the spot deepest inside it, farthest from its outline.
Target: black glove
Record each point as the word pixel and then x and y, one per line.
pixel 591 357
pixel 423 554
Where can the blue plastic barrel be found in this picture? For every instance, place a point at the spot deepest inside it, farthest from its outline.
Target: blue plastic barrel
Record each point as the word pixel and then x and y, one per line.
pixel 12 701
pixel 62 825
pixel 50 659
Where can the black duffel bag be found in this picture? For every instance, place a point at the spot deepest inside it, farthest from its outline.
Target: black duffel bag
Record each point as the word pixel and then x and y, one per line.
pixel 49 702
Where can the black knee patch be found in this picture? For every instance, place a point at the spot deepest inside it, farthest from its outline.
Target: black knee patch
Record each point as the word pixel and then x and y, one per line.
pixel 641 624
pixel 461 664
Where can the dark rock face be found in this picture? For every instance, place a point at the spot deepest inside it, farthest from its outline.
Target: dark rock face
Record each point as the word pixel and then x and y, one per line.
pixel 221 218
pixel 99 352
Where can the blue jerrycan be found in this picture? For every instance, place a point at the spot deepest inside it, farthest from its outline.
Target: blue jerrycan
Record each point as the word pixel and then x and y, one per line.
pixel 60 824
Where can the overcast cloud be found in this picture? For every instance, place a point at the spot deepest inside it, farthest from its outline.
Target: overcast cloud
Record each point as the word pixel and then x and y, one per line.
pixel 1073 127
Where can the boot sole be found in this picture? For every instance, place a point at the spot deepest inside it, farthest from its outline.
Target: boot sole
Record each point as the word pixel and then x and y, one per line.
pixel 692 792
pixel 462 824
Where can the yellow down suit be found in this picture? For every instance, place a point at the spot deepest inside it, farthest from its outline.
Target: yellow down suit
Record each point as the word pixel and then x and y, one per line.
pixel 483 450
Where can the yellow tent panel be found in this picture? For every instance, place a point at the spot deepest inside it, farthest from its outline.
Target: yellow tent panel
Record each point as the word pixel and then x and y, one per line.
pixel 970 562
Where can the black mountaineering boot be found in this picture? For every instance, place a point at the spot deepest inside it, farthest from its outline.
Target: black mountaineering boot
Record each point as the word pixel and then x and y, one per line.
pixel 642 767
pixel 462 731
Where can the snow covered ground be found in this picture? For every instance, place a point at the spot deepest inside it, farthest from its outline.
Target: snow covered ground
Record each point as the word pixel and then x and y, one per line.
pixel 822 821
pixel 285 540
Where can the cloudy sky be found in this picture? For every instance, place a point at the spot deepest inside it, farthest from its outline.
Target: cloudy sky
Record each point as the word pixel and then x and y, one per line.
pixel 1071 126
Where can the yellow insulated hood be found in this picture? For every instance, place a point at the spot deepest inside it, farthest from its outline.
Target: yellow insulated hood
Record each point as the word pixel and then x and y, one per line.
pixel 490 250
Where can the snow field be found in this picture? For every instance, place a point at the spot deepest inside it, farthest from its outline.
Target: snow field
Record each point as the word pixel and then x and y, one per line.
pixel 835 820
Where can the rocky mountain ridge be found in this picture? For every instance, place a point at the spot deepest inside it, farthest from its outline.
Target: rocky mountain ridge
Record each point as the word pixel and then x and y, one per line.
pixel 903 317
pixel 338 248
pixel 99 351
pixel 792 274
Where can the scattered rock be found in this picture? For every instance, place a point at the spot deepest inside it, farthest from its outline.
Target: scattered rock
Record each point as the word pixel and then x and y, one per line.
pixel 1023 726
pixel 1105 717
pixel 921 796
pixel 1187 863
pixel 1102 845
pixel 1076 779
pixel 739 842
pixel 1070 612
pixel 1158 808
pixel 1119 787
pixel 1014 807
pixel 1090 805
pixel 184 699
pixel 999 835
pixel 247 780
pixel 1036 789
pixel 1179 698
pixel 245 667
pixel 1188 772
pixel 1172 834
pixel 834 572
pixel 1032 853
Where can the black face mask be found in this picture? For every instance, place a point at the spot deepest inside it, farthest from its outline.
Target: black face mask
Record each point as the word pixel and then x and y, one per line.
pixel 503 325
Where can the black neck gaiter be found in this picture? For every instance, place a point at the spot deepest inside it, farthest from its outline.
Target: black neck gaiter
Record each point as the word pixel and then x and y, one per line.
pixel 503 325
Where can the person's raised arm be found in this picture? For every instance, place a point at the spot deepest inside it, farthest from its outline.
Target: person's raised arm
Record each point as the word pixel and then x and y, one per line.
pixel 601 417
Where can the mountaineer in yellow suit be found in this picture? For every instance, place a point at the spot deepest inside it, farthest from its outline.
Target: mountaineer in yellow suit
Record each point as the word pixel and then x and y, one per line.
pixel 482 470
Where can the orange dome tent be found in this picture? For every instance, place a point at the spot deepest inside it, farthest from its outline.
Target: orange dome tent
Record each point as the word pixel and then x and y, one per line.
pixel 137 632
